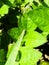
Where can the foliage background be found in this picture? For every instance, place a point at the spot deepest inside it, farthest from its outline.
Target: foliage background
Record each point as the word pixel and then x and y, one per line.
pixel 33 16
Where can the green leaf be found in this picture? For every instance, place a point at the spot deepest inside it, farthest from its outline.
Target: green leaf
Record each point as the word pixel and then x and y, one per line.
pixel 12 57
pixel 34 39
pixel 27 23
pixel 29 56
pixel 44 63
pixel 16 63
pixel 4 10
pixel 47 2
pixel 31 26
pixel 14 33
pixel 40 17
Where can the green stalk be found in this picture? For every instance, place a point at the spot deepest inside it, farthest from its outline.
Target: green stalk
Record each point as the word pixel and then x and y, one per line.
pixel 12 57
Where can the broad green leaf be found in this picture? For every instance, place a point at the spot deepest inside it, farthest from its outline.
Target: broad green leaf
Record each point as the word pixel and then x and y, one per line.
pixel 30 25
pixel 47 2
pixel 44 63
pixel 12 57
pixel 14 33
pixel 27 23
pixel 29 56
pixel 40 17
pixel 34 39
pixel 16 63
pixel 4 10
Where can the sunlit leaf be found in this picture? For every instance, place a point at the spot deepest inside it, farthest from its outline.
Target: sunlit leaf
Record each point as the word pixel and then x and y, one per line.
pixel 47 2
pixel 34 39
pixel 40 17
pixel 27 23
pixel 29 56
pixel 4 10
